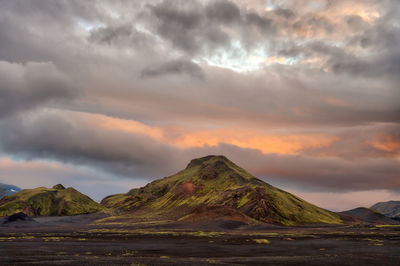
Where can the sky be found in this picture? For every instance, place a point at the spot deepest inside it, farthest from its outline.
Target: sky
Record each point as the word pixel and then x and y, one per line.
pixel 105 96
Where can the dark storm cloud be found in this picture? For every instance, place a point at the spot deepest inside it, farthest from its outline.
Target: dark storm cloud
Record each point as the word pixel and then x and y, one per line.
pixel 262 23
pixel 57 137
pixel 47 10
pixel 186 26
pixel 111 34
pixel 292 99
pixel 24 87
pixel 356 22
pixel 194 27
pixel 176 67
pixel 384 39
pixel 35 30
pixel 315 23
pixel 223 11
pixel 386 65
pixel 284 12
pixel 120 35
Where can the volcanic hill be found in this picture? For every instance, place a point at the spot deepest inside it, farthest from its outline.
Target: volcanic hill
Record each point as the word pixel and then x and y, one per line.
pixel 214 183
pixel 388 208
pixel 43 201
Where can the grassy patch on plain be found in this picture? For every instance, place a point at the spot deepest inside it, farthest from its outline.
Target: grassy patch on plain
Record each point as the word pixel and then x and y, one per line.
pixel 262 241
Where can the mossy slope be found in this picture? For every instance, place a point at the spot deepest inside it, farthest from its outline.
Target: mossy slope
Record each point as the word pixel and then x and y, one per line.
pixel 48 202
pixel 215 180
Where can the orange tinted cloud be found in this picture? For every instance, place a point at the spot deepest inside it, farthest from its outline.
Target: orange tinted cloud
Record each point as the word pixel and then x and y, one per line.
pixel 367 12
pixel 388 144
pixel 118 124
pixel 186 138
pixel 330 20
pixel 266 143
pixel 336 102
pixel 6 162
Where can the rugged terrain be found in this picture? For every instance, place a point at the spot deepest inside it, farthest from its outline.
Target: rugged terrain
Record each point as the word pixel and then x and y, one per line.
pixel 7 190
pixel 389 208
pixel 369 216
pixel 42 201
pixel 214 182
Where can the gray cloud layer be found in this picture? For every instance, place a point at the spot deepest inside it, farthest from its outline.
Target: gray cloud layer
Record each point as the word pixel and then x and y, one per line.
pixel 24 87
pixel 57 137
pixel 292 68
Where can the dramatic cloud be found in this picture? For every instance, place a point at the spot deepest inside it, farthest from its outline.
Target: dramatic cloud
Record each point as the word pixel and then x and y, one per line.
pixel 133 149
pixel 58 137
pixel 304 94
pixel 27 86
pixel 175 67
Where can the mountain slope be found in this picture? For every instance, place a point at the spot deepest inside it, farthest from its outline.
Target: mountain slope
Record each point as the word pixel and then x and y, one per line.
pixel 216 181
pixel 369 216
pixel 7 190
pixel 48 201
pixel 389 208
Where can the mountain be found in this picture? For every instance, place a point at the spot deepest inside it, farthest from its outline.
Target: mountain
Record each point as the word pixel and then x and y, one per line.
pixel 214 182
pixel 6 190
pixel 389 208
pixel 369 216
pixel 42 201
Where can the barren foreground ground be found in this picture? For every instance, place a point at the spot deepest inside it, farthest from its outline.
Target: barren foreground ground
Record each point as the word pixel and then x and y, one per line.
pixel 82 241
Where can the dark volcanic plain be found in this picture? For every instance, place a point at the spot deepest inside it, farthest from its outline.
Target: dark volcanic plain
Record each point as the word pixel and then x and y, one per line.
pixel 92 240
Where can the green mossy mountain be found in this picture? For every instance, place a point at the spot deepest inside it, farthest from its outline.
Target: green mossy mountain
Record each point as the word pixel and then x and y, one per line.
pixel 216 181
pixel 389 208
pixel 56 201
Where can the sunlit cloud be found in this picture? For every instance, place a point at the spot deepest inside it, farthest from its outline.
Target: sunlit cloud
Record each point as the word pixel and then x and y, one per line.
pixel 188 138
pixel 388 144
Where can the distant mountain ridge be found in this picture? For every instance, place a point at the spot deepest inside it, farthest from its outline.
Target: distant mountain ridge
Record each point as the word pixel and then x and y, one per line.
pixel 7 190
pixel 369 216
pixel 43 201
pixel 388 208
pixel 215 183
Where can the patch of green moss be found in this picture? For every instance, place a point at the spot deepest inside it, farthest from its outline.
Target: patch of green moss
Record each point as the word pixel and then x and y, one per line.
pixel 48 201
pixel 262 241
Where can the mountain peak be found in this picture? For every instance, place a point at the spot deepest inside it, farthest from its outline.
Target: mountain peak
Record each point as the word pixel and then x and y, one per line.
pixel 59 186
pixel 214 180
pixel 207 160
pixel 213 167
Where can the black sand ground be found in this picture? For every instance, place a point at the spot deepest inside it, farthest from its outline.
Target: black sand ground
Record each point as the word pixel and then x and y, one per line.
pixel 74 241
